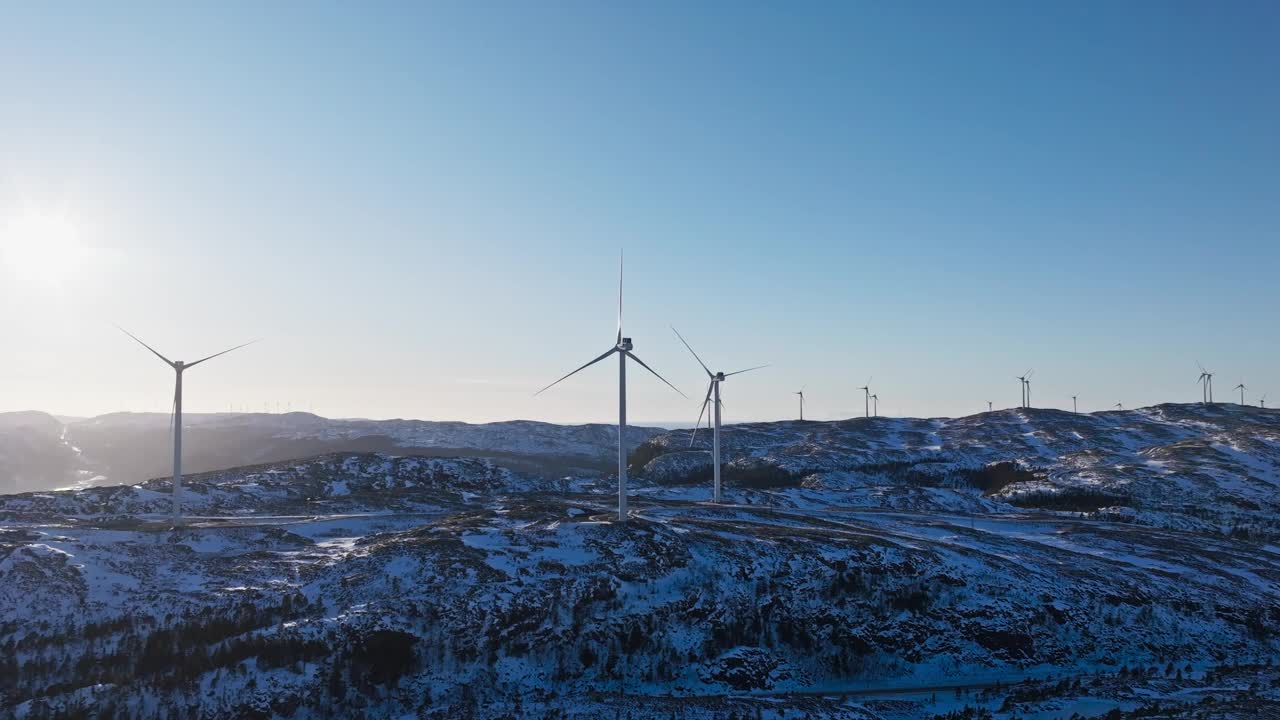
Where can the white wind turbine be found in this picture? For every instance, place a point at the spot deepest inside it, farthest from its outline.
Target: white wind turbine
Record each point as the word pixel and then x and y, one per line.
pixel 800 392
pixel 713 396
pixel 866 398
pixel 1241 388
pixel 1262 402
pixel 1074 407
pixel 1206 380
pixel 875 405
pixel 622 347
pixel 1025 380
pixel 175 419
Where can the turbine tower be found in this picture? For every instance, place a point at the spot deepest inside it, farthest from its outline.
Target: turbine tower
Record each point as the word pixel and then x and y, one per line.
pixel 1262 402
pixel 1241 388
pixel 713 395
pixel 1074 407
pixel 800 392
pixel 1023 380
pixel 622 346
pixel 988 406
pixel 875 406
pixel 866 399
pixel 1206 380
pixel 175 418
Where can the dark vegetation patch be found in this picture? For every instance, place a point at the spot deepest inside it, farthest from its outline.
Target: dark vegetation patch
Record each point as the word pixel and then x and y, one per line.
pixel 995 477
pixel 1069 499
pixel 1014 645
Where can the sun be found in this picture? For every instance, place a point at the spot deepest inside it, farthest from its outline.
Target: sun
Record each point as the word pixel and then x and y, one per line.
pixel 41 249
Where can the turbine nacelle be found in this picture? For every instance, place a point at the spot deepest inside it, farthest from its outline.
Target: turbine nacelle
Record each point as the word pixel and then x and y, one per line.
pixel 718 377
pixel 625 345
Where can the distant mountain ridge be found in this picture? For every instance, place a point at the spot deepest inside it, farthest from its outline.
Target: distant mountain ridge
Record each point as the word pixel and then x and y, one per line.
pixel 39 452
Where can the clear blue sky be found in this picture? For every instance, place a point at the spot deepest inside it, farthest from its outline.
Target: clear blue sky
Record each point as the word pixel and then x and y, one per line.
pixel 420 206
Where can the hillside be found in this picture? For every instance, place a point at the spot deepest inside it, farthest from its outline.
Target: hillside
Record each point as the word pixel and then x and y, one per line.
pixel 929 573
pixel 40 452
pixel 1213 469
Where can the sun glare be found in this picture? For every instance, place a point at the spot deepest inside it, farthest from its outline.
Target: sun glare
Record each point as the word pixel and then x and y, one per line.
pixel 41 249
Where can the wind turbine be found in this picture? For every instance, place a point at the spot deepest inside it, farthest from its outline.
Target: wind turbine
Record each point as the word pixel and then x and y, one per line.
pixel 875 406
pixel 622 346
pixel 713 389
pixel 1119 406
pixel 1026 387
pixel 988 406
pixel 1241 388
pixel 801 394
pixel 1262 402
pixel 866 400
pixel 175 419
pixel 1206 380
pixel 1074 407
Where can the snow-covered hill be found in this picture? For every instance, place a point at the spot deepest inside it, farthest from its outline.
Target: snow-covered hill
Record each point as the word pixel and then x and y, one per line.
pixel 1211 468
pixel 885 569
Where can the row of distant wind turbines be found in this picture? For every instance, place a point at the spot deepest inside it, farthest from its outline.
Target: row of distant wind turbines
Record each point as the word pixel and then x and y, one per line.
pixel 622 347
pixel 1206 380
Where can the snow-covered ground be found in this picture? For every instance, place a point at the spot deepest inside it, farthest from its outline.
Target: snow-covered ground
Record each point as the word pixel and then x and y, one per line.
pixel 857 586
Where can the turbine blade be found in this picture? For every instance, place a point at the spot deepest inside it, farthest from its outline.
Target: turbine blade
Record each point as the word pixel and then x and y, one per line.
pixel 153 350
pixel 621 257
pixel 695 355
pixel 701 410
pixel 1030 373
pixel 739 372
pixel 611 351
pixel 224 352
pixel 655 374
pixel 173 409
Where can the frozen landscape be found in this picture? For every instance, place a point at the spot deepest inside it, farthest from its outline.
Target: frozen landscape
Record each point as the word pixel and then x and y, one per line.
pixel 1021 563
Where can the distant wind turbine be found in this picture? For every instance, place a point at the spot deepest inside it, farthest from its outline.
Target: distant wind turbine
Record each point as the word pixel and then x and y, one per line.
pixel 801 394
pixel 1206 380
pixel 866 399
pixel 175 418
pixel 1241 388
pixel 1262 402
pixel 1024 380
pixel 713 395
pixel 622 347
pixel 988 406
pixel 1074 407
pixel 875 406
pixel 1119 406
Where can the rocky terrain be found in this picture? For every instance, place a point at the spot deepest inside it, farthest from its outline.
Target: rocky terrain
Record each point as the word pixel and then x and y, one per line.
pixel 995 566
pixel 1205 468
